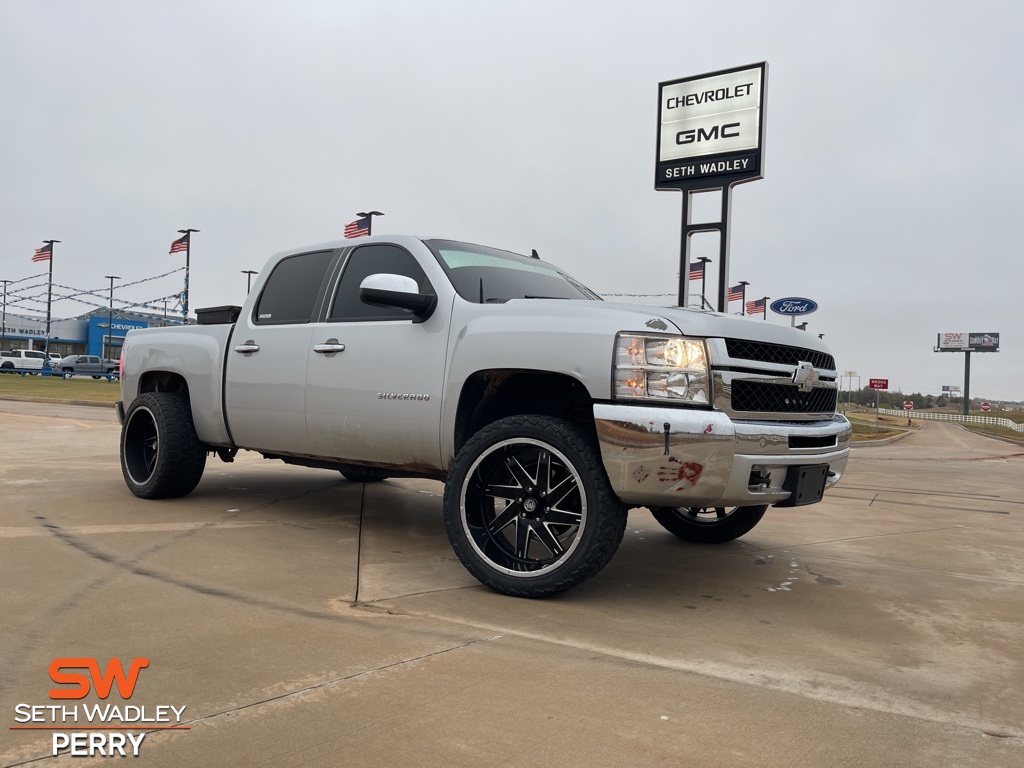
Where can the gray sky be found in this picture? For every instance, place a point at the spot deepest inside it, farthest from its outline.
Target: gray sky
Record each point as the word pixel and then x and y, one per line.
pixel 893 151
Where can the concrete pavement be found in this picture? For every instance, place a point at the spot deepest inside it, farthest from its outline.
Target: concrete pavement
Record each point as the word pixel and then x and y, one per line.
pixel 881 627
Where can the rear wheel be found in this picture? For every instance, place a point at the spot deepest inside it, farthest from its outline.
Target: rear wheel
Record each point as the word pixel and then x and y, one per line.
pixel 161 456
pixel 709 525
pixel 528 507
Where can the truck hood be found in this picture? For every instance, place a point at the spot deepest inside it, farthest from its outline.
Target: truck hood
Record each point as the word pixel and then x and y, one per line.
pixel 614 317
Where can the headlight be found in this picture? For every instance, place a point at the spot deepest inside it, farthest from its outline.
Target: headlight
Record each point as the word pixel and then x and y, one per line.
pixel 661 368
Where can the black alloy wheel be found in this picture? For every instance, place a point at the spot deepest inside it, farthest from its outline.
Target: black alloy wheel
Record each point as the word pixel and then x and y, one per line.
pixel 709 525
pixel 161 456
pixel 528 507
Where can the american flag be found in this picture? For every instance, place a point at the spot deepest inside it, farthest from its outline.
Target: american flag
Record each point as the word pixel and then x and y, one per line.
pixel 44 253
pixel 179 245
pixel 756 307
pixel 736 292
pixel 358 228
pixel 697 270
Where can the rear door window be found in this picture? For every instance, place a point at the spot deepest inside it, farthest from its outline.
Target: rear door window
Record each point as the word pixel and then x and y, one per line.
pixel 291 291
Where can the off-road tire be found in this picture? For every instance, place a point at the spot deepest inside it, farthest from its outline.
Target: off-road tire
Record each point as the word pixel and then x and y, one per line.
pixel 500 517
pixel 709 525
pixel 161 456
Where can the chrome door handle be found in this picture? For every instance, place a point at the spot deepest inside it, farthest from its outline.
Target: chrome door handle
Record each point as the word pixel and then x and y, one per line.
pixel 247 347
pixel 328 347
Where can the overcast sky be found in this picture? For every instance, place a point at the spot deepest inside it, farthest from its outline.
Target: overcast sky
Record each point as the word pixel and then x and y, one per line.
pixel 892 174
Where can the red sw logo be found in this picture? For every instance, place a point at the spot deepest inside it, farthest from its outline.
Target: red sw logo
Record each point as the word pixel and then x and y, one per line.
pixel 102 682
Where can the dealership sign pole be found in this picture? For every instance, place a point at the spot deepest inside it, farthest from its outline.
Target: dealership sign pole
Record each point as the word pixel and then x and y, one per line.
pixel 710 138
pixel 967 343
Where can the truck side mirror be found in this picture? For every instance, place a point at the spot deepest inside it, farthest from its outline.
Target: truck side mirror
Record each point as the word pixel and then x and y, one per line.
pixel 387 290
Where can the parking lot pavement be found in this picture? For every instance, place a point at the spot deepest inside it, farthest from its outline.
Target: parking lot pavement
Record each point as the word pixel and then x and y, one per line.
pixel 881 627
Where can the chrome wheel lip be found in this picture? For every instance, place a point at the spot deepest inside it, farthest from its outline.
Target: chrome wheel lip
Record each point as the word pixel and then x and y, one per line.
pixel 146 456
pixel 471 536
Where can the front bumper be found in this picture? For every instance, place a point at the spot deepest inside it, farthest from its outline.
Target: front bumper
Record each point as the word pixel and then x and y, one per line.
pixel 674 457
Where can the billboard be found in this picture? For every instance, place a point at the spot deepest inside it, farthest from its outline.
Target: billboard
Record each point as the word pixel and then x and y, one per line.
pixel 983 342
pixel 711 126
pixel 967 342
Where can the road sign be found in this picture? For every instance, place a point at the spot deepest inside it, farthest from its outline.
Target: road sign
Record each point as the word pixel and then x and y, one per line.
pixel 908 405
pixel 986 407
pixel 878 383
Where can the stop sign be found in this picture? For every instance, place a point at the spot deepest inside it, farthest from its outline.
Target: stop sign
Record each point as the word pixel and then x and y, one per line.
pixel 986 407
pixel 908 405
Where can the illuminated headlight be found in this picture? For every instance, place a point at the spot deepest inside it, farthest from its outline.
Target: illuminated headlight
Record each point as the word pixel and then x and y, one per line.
pixel 661 368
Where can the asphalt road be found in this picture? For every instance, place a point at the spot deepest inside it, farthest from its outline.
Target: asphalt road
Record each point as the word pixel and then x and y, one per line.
pixel 302 620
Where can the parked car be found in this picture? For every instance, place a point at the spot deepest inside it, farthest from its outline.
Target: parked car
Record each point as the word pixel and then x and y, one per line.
pixel 25 359
pixel 54 359
pixel 87 364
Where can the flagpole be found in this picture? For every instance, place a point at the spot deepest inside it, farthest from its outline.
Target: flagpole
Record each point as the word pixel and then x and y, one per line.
pixel 703 277
pixel 49 294
pixel 743 301
pixel 369 220
pixel 188 252
pixel 3 338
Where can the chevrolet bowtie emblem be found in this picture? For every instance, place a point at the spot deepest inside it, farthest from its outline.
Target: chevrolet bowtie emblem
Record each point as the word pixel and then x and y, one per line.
pixel 804 377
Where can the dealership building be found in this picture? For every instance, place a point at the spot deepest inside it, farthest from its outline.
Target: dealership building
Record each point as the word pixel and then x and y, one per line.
pixel 91 334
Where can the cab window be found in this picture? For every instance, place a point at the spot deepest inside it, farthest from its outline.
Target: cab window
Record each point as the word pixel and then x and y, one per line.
pixel 290 293
pixel 369 260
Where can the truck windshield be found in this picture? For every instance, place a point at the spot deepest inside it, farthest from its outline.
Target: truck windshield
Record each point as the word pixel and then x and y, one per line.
pixel 485 275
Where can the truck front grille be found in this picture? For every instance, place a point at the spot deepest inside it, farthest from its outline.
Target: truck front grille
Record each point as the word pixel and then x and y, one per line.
pixel 764 352
pixel 765 397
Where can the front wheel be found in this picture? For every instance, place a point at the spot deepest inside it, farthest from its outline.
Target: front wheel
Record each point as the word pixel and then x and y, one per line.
pixel 528 507
pixel 708 525
pixel 161 456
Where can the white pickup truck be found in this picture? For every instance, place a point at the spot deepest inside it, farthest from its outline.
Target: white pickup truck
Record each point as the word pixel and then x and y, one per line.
pixel 24 359
pixel 548 412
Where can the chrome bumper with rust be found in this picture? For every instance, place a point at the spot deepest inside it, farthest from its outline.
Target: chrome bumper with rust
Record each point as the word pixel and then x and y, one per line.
pixel 673 457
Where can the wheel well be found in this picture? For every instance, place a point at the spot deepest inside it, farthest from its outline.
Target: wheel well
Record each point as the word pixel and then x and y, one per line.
pixel 488 396
pixel 163 381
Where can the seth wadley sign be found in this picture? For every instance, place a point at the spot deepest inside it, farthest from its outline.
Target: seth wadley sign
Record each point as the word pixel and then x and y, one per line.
pixel 711 126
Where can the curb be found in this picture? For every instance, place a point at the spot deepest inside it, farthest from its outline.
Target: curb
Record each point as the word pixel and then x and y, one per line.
pixel 883 441
pixel 57 401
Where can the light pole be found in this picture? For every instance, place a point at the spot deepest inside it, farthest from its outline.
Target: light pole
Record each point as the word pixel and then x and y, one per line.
pixel 3 333
pixel 248 278
pixel 110 319
pixel 369 220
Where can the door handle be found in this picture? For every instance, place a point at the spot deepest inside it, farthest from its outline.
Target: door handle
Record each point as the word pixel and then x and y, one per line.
pixel 329 347
pixel 247 347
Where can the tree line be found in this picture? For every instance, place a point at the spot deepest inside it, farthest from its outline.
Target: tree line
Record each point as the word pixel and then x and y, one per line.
pixel 890 399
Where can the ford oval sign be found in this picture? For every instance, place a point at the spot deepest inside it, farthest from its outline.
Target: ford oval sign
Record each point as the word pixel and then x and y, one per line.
pixel 794 305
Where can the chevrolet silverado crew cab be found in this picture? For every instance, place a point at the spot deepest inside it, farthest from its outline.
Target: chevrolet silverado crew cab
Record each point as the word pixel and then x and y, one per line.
pixel 547 412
